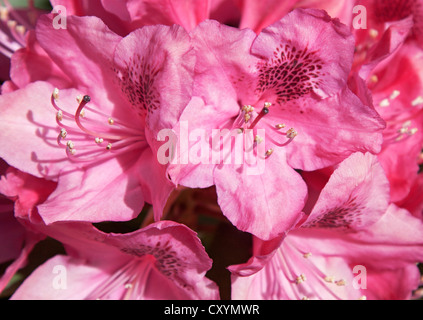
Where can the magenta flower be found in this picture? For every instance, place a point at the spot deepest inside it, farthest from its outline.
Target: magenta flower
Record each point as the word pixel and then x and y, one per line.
pixel 351 244
pixel 164 260
pixel 294 73
pixel 94 138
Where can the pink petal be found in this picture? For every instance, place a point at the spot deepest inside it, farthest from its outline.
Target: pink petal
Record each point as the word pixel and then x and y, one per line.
pixel 62 278
pixel 12 234
pixel 325 264
pixel 26 190
pixel 84 52
pixel 187 13
pixel 32 63
pixel 164 260
pixel 109 191
pixel 156 188
pixel 154 65
pixel 29 132
pixel 312 40
pixel 385 49
pixel 383 288
pixel 336 9
pixel 355 189
pixel 414 203
pixel 184 169
pixel 330 129
pixel 265 204
pixel 224 68
pixel 21 260
pixel 258 15
pixel 393 241
pixel 179 254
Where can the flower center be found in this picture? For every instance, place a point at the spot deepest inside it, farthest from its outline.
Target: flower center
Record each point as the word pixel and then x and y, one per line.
pixel 248 119
pixel 306 278
pixel 94 137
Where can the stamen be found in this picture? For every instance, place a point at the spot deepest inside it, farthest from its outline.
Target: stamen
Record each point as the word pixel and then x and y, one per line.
pixel 247 110
pixel 4 14
pixel 98 140
pixel 56 94
pixel 307 255
pixel 373 33
pixel 280 126
pixel 70 144
pixel 268 153
pixel 417 101
pixel 340 283
pixel 11 24
pixel 63 133
pixel 110 121
pixel 20 29
pixel 291 133
pixel 300 279
pixel 374 79
pixel 59 115
pixel 109 146
pixel 384 103
pixel 394 94
pixel 258 139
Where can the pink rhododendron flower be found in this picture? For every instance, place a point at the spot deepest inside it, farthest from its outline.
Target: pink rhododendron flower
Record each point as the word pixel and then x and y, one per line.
pixel 93 138
pixel 349 229
pixel 294 81
pixel 164 260
pixel 280 138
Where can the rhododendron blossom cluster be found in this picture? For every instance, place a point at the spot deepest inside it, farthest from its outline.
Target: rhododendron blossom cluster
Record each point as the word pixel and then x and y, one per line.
pixel 211 149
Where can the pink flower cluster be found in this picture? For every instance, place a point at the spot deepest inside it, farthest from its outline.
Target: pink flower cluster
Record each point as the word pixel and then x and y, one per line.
pixel 298 124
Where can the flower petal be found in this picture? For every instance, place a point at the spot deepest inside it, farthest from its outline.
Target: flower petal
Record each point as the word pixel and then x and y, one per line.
pixel 306 51
pixel 356 195
pixel 266 203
